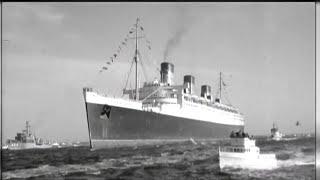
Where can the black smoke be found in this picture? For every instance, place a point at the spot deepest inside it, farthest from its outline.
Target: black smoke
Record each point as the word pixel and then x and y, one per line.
pixel 183 23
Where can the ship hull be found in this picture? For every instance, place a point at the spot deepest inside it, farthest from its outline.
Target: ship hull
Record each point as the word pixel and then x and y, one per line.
pixel 247 160
pixel 21 146
pixel 111 126
pixel 17 146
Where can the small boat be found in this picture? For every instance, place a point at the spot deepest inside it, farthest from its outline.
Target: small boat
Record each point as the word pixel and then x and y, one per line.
pixel 5 147
pixel 56 145
pixel 75 145
pixel 275 134
pixel 241 152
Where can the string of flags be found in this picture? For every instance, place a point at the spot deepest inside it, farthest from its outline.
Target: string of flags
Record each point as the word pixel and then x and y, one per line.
pixel 122 45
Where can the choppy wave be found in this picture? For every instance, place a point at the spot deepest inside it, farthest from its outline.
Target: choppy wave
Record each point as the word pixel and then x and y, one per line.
pixel 176 161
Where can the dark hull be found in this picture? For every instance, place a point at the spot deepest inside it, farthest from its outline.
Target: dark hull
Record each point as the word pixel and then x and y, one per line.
pixel 115 123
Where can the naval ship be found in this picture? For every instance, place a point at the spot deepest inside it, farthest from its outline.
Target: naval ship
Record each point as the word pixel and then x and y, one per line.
pixel 25 140
pixel 159 111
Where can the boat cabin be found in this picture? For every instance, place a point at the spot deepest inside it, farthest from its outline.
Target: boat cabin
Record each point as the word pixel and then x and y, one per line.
pixel 240 142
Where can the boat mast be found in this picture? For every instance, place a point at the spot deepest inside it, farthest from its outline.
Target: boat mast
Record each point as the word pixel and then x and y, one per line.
pixel 136 61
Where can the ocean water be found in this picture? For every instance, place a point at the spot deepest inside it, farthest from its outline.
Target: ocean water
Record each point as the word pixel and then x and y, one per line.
pixel 184 160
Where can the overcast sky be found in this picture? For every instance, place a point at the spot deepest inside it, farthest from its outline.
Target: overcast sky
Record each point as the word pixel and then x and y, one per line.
pixel 52 50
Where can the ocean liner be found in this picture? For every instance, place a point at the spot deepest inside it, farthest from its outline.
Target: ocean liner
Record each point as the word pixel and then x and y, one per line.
pixel 159 111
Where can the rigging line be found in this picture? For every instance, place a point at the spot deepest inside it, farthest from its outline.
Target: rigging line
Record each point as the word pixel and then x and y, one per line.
pixel 155 91
pixel 153 62
pixel 128 75
pixel 226 95
pixel 144 71
pixel 225 89
pixel 120 89
pixel 148 44
pixel 143 68
pixel 217 90
pixel 131 91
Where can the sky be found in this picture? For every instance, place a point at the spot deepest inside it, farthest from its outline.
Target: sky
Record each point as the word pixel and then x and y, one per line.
pixel 266 52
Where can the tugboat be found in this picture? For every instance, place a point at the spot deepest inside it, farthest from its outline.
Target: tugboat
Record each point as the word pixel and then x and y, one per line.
pixel 275 134
pixel 242 152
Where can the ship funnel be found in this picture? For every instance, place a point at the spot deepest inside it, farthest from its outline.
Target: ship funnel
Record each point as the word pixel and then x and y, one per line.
pixel 166 73
pixel 189 80
pixel 206 91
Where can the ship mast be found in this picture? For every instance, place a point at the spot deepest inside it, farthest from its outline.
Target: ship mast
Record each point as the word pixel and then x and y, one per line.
pixel 136 61
pixel 27 128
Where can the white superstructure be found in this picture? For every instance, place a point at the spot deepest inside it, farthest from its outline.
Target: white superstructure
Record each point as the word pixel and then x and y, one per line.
pixel 243 153
pixel 182 105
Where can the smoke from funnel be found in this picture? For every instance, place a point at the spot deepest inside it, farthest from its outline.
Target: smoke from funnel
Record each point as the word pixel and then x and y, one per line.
pixel 183 24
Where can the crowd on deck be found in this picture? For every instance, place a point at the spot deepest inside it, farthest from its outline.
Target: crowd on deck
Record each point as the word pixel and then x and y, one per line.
pixel 239 134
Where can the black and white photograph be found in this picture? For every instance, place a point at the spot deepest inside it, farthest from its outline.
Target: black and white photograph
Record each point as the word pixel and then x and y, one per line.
pixel 159 90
